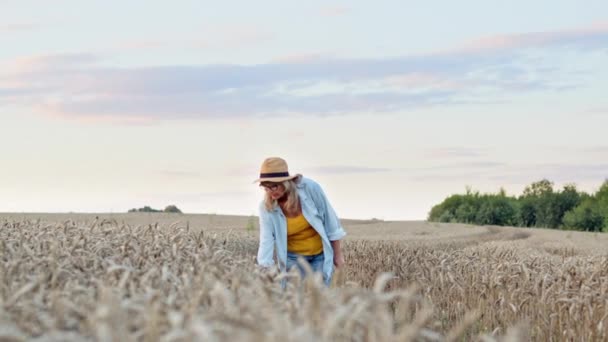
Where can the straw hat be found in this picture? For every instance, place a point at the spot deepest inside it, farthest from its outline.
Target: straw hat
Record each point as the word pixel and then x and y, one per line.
pixel 274 169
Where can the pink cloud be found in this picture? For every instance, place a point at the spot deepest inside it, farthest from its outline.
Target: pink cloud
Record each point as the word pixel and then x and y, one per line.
pixel 104 119
pixel 533 39
pixel 334 11
pixel 37 63
pixel 599 25
pixel 82 89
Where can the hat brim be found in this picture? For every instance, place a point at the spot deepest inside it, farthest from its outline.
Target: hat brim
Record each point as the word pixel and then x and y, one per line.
pixel 275 179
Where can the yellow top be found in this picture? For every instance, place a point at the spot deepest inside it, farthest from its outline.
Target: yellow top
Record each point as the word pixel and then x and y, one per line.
pixel 302 238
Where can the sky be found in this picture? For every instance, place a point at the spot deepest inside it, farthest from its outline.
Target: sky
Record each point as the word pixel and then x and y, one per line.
pixel 390 105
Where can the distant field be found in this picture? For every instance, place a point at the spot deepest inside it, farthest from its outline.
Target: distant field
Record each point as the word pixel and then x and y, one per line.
pixel 141 276
pixel 413 231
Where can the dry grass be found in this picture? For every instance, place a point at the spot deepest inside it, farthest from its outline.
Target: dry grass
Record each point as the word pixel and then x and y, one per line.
pixel 125 277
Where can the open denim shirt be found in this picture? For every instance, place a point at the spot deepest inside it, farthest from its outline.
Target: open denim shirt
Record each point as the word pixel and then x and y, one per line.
pixel 317 211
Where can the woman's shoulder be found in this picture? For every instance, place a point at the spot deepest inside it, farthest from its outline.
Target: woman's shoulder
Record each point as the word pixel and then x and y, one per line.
pixel 306 182
pixel 262 208
pixel 311 186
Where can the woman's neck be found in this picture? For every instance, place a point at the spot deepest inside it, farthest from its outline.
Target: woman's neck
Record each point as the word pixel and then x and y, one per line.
pixel 282 203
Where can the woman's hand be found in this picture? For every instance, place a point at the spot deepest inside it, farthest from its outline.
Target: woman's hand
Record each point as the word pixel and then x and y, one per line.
pixel 338 260
pixel 338 257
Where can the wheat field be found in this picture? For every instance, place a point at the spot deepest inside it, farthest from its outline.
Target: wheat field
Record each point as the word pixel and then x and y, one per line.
pixel 164 277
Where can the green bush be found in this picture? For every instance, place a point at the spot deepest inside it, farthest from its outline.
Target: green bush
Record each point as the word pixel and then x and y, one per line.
pixel 602 203
pixel 447 217
pixel 497 210
pixel 586 216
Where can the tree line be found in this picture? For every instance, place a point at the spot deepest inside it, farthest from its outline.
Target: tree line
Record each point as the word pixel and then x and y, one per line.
pixel 540 205
pixel 147 209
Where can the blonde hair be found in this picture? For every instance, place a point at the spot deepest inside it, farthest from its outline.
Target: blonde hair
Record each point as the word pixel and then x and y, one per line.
pixel 292 205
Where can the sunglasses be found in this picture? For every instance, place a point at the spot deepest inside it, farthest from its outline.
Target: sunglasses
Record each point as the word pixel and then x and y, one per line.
pixel 270 186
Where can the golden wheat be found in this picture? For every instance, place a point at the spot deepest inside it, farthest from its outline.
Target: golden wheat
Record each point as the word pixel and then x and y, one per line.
pixel 108 281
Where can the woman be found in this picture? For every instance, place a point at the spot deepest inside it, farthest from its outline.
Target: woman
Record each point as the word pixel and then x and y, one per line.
pixel 297 219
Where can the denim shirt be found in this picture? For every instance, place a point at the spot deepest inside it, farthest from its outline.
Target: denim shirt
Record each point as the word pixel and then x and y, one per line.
pixel 317 211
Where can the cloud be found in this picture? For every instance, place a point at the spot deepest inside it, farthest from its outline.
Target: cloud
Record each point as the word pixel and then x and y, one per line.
pixel 30 67
pixel 429 80
pixel 589 37
pixel 234 104
pixel 78 87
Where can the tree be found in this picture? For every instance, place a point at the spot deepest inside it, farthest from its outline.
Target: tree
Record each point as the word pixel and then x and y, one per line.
pixel 527 211
pixel 449 205
pixel 540 205
pixel 535 210
pixel 172 209
pixel 145 209
pixel 148 209
pixel 539 188
pixel 566 200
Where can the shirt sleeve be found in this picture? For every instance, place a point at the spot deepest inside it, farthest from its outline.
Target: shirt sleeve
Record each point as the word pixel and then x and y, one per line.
pixel 332 224
pixel 266 247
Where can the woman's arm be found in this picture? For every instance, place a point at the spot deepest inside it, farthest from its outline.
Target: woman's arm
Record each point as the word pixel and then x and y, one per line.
pixel 332 223
pixel 266 247
pixel 338 257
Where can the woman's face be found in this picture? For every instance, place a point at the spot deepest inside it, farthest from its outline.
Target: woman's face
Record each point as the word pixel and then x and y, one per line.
pixel 275 190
